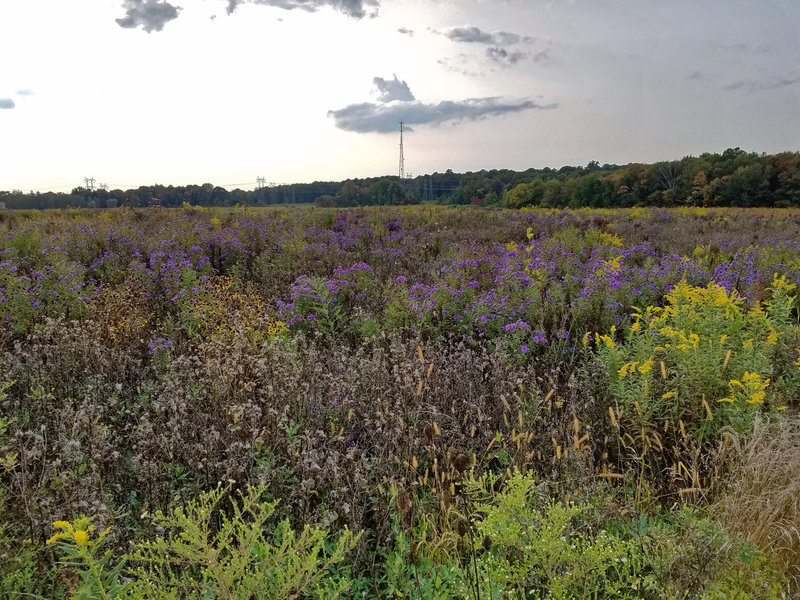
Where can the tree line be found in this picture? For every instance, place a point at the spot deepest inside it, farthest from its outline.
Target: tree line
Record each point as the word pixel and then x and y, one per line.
pixel 733 178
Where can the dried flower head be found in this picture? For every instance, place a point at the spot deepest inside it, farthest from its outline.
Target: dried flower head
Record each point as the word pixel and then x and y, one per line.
pixel 462 526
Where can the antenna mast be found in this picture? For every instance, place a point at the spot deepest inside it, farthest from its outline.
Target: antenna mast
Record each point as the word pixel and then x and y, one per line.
pixel 402 161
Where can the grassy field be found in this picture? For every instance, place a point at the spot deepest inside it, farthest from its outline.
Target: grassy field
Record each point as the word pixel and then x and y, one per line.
pixel 416 402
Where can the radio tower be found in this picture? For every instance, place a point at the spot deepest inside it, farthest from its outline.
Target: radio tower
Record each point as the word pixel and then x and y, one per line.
pixel 402 161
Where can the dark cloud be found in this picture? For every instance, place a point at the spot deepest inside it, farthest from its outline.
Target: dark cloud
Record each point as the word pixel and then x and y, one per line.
pixel 384 118
pixel 542 56
pixel 737 85
pixel 151 15
pixel 766 84
pixel 6 103
pixel 503 57
pixel 406 31
pixel 746 48
pixel 393 89
pixel 470 34
pixel 353 8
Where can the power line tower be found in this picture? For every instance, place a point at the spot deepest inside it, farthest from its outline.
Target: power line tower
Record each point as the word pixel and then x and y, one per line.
pixel 261 183
pixel 89 181
pixel 402 173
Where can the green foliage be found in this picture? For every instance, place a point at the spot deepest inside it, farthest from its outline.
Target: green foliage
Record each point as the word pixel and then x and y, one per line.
pixel 208 551
pixel 544 552
pixel 701 360
pixel 82 552
pixel 692 556
pixel 17 556
pixel 516 544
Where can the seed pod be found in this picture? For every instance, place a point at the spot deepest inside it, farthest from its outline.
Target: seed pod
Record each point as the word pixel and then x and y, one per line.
pixel 403 501
pixel 428 432
pixel 462 526
pixel 461 462
pixel 447 498
pixel 487 542
pixel 412 551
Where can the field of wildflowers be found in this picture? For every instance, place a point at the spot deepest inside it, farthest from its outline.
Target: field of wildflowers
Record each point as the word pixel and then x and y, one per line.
pixel 412 402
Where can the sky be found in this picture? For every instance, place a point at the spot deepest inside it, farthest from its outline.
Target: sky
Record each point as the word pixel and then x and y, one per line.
pixel 137 92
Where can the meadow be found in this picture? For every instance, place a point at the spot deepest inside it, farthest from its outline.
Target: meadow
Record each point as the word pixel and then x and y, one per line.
pixel 400 402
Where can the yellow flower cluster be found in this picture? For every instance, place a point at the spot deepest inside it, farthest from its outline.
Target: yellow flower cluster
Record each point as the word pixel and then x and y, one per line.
pixel 610 239
pixel 630 368
pixel 606 339
pixel 751 388
pixel 223 310
pixel 690 300
pixel 78 533
pixel 277 328
pixel 610 266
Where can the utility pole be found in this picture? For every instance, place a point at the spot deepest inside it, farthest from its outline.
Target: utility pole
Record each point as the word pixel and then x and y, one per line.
pixel 402 160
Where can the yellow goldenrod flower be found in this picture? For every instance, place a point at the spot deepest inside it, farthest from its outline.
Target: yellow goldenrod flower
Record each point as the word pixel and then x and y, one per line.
pixel 772 338
pixel 728 400
pixel 608 341
pixel 646 367
pixel 635 326
pixel 669 395
pixel 81 537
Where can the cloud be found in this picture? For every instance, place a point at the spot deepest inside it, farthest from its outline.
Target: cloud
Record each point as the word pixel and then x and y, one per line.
pixel 406 31
pixel 384 118
pixel 151 15
pixel 503 57
pixel 352 8
pixel 25 92
pixel 746 48
pixel 393 89
pixel 469 34
pixel 6 103
pixel 769 83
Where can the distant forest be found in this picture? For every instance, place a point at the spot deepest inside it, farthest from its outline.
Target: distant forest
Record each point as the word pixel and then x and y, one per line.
pixel 733 178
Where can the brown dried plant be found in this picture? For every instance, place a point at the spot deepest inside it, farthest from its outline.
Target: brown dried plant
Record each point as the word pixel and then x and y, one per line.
pixel 763 501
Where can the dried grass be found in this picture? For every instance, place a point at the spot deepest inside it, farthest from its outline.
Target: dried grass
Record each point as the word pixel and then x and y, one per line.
pixel 763 501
